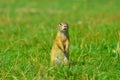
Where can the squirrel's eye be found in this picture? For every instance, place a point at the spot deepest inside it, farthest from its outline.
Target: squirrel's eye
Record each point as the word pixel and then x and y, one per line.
pixel 60 24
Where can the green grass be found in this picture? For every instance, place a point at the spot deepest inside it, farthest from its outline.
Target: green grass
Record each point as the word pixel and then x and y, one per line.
pixel 28 29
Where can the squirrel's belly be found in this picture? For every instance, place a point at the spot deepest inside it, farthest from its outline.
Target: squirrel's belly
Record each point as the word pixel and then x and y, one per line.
pixel 60 58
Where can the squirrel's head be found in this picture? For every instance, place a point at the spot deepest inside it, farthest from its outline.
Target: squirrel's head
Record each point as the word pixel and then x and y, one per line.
pixel 63 27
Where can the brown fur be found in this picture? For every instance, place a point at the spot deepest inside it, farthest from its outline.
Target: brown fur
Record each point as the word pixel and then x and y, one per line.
pixel 60 52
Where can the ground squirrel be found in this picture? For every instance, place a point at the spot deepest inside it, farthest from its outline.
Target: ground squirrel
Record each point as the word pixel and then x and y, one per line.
pixel 60 49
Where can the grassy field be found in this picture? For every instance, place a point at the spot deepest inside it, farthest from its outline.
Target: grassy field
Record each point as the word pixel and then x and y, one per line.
pixel 28 29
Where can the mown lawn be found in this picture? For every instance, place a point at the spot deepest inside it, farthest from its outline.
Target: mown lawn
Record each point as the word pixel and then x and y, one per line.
pixel 28 29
